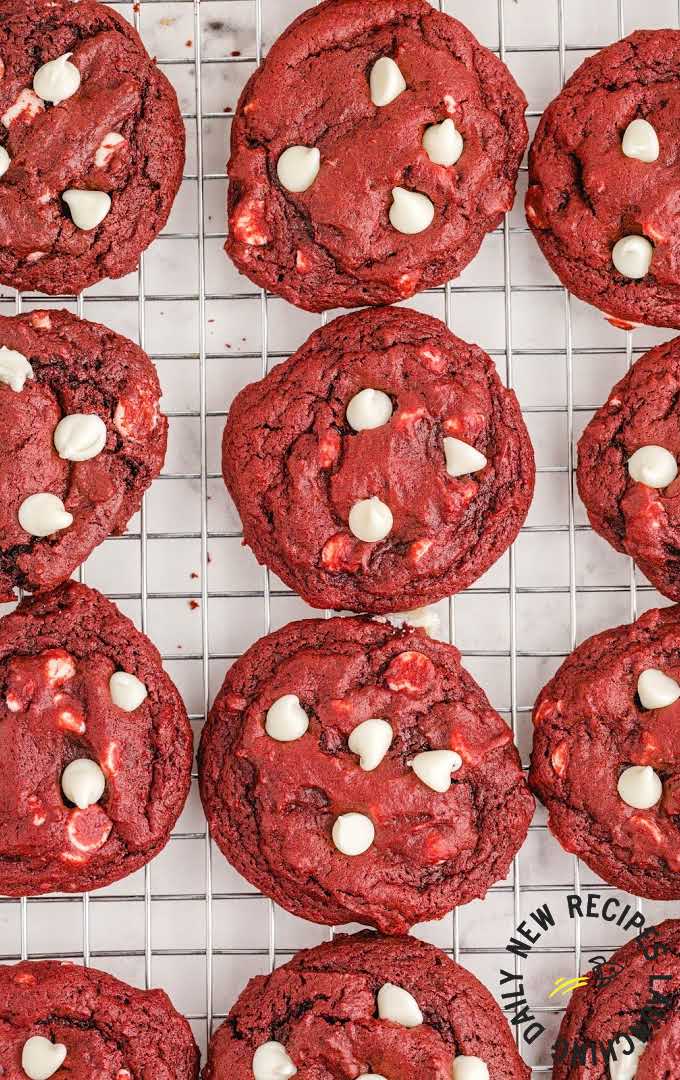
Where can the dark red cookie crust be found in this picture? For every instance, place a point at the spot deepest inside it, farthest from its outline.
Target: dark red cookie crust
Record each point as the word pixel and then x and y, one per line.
pixel 79 367
pixel 585 194
pixel 644 522
pixel 322 1007
pixel 109 1029
pixel 589 727
pixel 639 1000
pixel 295 467
pixel 53 714
pixel 122 91
pixel 271 806
pixel 332 245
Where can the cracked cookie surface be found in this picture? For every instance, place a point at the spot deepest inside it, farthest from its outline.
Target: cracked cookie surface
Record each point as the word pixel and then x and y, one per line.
pixel 295 467
pixel 58 651
pixel 78 367
pixel 322 1006
pixel 589 727
pixel 585 194
pixel 272 805
pixel 109 1029
pixel 333 245
pixel 58 148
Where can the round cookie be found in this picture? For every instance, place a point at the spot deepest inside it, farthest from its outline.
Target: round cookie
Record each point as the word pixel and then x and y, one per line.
pixel 103 121
pixel 616 470
pixel 79 683
pixel 371 152
pixel 95 467
pixel 627 1020
pixel 446 454
pixel 107 1028
pixel 606 755
pixel 356 772
pixel 595 182
pixel 328 1013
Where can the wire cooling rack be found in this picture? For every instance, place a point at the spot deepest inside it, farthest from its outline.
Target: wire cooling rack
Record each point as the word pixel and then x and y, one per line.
pixel 188 922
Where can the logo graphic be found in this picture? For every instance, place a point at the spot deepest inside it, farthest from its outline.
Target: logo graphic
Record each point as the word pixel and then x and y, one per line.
pixel 566 986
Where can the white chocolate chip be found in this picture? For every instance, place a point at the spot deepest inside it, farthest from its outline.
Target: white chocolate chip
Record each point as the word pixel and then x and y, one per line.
pixel 656 690
pixel 370 520
pixel 5 161
pixel 654 466
pixel 353 834
pixel 298 167
pixel 286 719
pixel 371 740
pixel 271 1062
pixel 425 618
pixel 434 768
pixel 461 458
pixel 632 256
pixel 88 208
pixel 640 787
pixel 640 141
pixel 127 691
pixel 41 1058
pixel 107 149
pixel 371 1076
pixel 14 369
pixel 443 143
pixel 80 436
pixel 83 782
pixel 27 105
pixel 625 1057
pixel 387 81
pixel 466 1067
pixel 57 80
pixel 410 212
pixel 368 409
pixel 397 1005
pixel 43 514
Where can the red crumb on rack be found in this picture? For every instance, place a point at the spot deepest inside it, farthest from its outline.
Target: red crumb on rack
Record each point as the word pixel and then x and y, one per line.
pixel 193 604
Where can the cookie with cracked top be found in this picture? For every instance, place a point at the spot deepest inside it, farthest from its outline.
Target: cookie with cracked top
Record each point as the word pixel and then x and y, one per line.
pixel 383 467
pixel 371 152
pixel 91 145
pixel 603 180
pixel 323 1013
pixel 81 439
pixel 107 1028
pixel 79 683
pixel 639 423
pixel 606 754
pixel 356 772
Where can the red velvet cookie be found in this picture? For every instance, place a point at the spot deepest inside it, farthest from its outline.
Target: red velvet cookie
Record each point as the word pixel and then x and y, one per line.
pixel 606 756
pixel 366 1006
pixel 603 180
pixel 353 771
pixel 106 1028
pixel 627 465
pixel 627 1020
pixel 81 439
pixel 383 425
pixel 78 683
pixel 91 147
pixel 370 153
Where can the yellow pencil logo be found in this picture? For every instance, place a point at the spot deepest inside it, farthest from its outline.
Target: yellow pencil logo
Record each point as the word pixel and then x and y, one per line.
pixel 565 986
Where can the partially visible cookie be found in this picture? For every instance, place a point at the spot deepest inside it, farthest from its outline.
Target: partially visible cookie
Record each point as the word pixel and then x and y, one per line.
pixel 95 743
pixel 83 1023
pixel 356 772
pixel 366 1006
pixel 383 467
pixel 603 179
pixel 371 152
pixel 91 145
pixel 81 439
pixel 606 755
pixel 627 467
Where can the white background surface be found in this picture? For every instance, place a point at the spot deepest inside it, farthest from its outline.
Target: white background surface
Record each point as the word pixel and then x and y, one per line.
pixel 190 924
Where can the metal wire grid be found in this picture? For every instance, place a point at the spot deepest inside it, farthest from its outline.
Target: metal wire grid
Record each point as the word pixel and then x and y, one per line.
pixel 205 1010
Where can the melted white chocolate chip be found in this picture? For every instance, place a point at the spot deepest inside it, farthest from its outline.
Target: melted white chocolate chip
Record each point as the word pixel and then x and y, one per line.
pixel 57 80
pixel 127 691
pixel 656 690
pixel 461 458
pixel 640 787
pixel 88 208
pixel 286 719
pixel 371 740
pixel 14 369
pixel 632 256
pixel 271 1062
pixel 41 1058
pixel 654 466
pixel 625 1057
pixel 80 436
pixel 443 143
pixel 640 141
pixel 434 768
pixel 397 1005
pixel 5 161
pixel 467 1067
pixel 298 167
pixel 386 81
pixel 368 409
pixel 83 782
pixel 411 212
pixel 43 514
pixel 370 520
pixel 353 834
